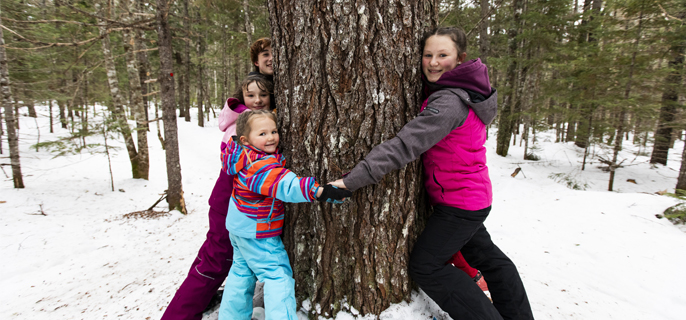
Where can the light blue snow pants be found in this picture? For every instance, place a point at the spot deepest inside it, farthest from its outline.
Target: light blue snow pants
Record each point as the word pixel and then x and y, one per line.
pixel 266 260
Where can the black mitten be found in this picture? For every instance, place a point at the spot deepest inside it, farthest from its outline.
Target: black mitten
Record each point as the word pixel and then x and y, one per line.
pixel 334 195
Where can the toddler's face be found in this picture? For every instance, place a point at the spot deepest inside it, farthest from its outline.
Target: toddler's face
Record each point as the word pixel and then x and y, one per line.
pixel 263 135
pixel 255 98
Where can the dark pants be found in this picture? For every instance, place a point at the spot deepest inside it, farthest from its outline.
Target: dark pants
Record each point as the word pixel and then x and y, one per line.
pixel 213 262
pixel 450 230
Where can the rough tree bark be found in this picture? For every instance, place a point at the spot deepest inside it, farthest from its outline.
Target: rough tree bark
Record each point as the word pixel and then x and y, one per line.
pixel 117 106
pixel 137 105
pixel 347 79
pixel 10 120
pixel 171 138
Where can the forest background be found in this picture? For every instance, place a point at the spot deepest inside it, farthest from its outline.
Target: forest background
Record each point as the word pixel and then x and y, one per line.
pixel 592 71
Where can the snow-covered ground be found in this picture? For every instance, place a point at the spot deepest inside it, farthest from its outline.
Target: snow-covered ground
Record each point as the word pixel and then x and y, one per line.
pixel 589 254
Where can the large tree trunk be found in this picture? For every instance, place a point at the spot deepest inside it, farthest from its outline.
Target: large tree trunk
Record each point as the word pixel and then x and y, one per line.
pixel 117 106
pixel 136 104
pixel 10 120
pixel 347 80
pixel 171 139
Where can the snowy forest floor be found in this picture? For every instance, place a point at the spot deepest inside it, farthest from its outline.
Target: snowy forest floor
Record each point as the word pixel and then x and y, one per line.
pixel 582 254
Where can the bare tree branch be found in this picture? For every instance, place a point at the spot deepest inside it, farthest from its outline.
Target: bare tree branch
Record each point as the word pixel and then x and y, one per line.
pixel 59 44
pixel 667 15
pixel 113 22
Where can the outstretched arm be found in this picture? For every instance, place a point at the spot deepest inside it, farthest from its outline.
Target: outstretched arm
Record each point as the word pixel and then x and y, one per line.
pixel 444 113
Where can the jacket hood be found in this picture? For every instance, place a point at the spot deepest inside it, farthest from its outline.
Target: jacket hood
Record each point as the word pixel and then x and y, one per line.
pixel 232 108
pixel 472 78
pixel 227 118
pixel 471 75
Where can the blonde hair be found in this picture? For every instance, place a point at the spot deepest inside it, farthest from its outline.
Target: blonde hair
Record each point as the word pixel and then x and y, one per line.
pixel 244 119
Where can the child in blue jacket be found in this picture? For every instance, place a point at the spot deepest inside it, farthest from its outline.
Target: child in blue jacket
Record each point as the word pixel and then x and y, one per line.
pixel 255 218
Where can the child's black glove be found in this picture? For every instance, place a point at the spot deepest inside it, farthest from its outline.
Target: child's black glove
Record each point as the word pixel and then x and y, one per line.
pixel 334 195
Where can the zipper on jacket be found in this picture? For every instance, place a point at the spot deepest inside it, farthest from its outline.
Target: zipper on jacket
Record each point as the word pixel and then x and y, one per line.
pixel 433 174
pixel 269 218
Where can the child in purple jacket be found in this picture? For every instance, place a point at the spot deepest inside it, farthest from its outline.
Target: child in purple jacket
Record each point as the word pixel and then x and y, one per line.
pixel 449 134
pixel 211 266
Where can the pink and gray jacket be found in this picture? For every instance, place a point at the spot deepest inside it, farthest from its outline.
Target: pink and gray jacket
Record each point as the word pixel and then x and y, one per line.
pixel 227 118
pixel 449 133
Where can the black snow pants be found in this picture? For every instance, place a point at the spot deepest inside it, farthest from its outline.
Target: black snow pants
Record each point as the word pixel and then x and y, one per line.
pixel 447 231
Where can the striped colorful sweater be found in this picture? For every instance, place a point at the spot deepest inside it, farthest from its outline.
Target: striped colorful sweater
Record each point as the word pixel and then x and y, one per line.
pixel 260 187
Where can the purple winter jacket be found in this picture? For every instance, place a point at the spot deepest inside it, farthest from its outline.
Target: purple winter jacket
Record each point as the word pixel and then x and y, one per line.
pixel 449 132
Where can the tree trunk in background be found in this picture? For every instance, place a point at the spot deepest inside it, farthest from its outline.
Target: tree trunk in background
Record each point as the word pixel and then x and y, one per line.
pixel 186 103
pixel 248 25
pixel 62 111
pixel 201 79
pixel 10 120
pixel 136 104
pixel 670 102
pixel 171 138
pixel 181 82
pixel 621 119
pixel 348 78
pixel 117 107
pixel 224 93
pixel 182 79
pixel 2 131
pixel 585 108
pixel 484 45
pixel 143 64
pixel 507 118
pixel 52 127
pixel 30 104
pixel 681 181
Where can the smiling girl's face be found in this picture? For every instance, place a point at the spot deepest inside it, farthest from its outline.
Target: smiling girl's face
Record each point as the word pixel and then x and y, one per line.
pixel 440 56
pixel 263 134
pixel 255 98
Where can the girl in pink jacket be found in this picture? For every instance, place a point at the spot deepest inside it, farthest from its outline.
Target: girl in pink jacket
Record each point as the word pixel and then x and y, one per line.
pixel 211 266
pixel 449 135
